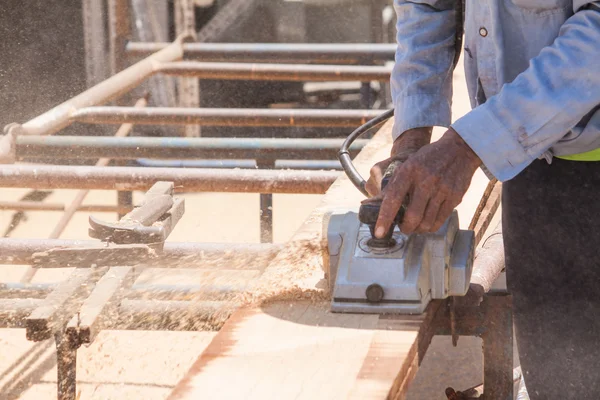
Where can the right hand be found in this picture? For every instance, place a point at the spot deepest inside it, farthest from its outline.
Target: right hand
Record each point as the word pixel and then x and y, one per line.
pixel 407 144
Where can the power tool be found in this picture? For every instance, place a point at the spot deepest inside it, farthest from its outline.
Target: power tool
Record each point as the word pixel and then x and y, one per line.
pixel 398 273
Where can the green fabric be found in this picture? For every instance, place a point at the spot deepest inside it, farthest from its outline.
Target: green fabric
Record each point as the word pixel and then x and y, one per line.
pixel 593 155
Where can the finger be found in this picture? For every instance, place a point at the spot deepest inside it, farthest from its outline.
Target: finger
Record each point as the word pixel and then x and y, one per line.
pixel 431 212
pixel 416 209
pixel 444 212
pixel 393 196
pixel 373 186
pixel 373 199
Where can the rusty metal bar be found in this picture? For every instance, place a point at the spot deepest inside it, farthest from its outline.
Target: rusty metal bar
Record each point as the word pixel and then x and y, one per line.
pixel 276 72
pixel 188 88
pixel 37 206
pixel 346 53
pixel 66 368
pixel 489 261
pixel 92 147
pixel 224 116
pixel 179 255
pixel 186 180
pixel 244 164
pixel 110 89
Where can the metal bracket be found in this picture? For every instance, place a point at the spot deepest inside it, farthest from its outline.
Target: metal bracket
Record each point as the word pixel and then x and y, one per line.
pixel 151 222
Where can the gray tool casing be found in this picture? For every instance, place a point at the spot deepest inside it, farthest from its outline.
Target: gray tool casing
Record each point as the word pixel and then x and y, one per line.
pixel 421 267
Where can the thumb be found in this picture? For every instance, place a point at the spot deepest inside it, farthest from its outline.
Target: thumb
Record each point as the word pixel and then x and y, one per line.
pixel 373 185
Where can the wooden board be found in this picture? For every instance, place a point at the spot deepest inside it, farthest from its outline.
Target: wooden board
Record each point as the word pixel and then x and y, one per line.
pixel 298 350
pixel 287 345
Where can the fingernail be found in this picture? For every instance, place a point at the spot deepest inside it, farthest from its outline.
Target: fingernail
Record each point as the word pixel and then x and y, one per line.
pixel 379 232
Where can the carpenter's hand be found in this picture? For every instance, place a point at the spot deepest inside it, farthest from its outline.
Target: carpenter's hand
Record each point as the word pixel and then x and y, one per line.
pixel 407 144
pixel 436 177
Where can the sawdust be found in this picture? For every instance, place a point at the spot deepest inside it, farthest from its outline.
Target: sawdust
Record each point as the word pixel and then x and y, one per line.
pixel 291 275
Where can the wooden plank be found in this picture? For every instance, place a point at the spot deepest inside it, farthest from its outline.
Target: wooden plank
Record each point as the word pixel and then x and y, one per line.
pixel 281 347
pixel 59 306
pixel 289 350
pixel 101 305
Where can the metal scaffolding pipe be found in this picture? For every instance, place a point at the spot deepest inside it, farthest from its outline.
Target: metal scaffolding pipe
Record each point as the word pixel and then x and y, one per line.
pixel 346 53
pixel 37 206
pixel 92 147
pixel 248 164
pixel 276 72
pixel 174 254
pixel 225 116
pixel 110 89
pixel 186 180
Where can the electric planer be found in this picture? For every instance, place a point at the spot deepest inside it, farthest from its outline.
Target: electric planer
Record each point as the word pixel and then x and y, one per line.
pixel 399 273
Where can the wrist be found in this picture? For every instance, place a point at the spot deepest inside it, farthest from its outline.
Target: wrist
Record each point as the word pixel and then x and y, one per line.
pixel 411 141
pixel 467 152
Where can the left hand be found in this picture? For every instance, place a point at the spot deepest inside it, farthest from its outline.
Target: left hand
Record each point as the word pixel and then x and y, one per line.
pixel 436 177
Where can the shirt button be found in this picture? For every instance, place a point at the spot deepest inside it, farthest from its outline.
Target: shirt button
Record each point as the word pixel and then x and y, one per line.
pixel 483 32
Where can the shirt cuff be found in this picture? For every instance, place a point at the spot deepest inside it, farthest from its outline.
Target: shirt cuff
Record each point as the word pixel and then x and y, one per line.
pixel 498 149
pixel 420 110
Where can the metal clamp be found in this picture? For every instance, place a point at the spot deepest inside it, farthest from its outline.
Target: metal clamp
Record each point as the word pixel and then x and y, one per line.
pixel 149 223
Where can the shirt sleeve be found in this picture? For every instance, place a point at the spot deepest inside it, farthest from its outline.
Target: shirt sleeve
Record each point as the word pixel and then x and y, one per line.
pixel 543 103
pixel 421 81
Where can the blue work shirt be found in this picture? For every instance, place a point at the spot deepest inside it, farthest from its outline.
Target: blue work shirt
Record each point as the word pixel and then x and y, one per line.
pixel 532 70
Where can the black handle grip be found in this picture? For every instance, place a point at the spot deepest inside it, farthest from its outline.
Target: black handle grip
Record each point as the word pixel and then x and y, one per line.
pixel 369 212
pixel 388 174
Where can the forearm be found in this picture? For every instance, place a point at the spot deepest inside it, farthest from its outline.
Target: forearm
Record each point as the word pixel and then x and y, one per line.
pixel 542 104
pixel 422 77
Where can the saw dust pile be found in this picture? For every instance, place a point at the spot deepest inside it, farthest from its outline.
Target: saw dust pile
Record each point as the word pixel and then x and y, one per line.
pixel 296 273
